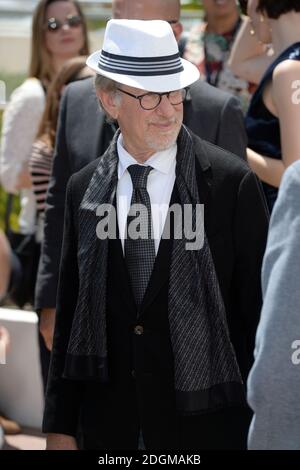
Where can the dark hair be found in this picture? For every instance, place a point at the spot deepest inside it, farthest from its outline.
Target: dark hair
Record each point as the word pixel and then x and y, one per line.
pixel 40 63
pixel 243 5
pixel 71 71
pixel 273 8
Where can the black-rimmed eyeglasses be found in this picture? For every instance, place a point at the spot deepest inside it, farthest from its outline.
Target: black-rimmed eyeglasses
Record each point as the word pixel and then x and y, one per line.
pixel 149 101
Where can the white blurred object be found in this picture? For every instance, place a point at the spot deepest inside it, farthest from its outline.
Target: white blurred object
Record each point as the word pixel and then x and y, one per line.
pixel 21 389
pixel 2 95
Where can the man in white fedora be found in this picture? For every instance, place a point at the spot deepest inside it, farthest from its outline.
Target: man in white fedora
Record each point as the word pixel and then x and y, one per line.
pixel 154 331
pixel 210 113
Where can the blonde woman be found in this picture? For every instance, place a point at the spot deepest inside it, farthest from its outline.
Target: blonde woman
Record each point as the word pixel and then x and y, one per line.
pixel 58 33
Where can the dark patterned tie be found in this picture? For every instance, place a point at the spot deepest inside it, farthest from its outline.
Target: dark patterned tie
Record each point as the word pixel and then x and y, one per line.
pixel 139 248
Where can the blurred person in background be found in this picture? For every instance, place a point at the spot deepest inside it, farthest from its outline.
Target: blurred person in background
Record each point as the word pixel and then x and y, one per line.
pixel 273 383
pixel 209 43
pixel 246 46
pixel 272 121
pixel 40 163
pixel 169 10
pixel 58 33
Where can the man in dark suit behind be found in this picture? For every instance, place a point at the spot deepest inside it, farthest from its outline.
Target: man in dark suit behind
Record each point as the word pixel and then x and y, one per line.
pixel 155 322
pixel 83 135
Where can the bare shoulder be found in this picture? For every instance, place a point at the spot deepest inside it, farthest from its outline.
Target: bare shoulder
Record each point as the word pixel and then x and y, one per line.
pixel 285 75
pixel 286 69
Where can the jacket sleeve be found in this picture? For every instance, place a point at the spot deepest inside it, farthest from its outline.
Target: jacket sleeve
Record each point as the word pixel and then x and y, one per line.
pixel 273 385
pixel 21 120
pixel 250 233
pixel 63 396
pixel 231 134
pixel 47 278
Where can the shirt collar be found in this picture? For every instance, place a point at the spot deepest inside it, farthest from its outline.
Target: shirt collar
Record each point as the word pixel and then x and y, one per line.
pixel 161 161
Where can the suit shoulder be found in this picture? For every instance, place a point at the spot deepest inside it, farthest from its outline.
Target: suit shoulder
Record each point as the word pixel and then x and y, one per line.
pixel 200 91
pixel 219 158
pixel 80 89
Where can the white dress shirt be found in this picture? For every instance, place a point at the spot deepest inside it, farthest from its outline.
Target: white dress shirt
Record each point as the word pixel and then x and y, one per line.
pixel 160 185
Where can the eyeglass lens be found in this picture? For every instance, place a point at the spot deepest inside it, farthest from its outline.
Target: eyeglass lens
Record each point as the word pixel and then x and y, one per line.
pixel 152 100
pixel 72 21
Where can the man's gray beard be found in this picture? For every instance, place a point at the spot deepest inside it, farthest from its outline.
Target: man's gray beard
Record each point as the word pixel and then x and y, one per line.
pixel 161 146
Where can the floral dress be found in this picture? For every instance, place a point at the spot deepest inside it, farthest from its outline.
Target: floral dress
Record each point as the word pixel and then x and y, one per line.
pixel 210 53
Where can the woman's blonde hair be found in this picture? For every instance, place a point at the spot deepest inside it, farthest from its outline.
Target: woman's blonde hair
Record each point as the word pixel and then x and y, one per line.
pixel 71 70
pixel 40 63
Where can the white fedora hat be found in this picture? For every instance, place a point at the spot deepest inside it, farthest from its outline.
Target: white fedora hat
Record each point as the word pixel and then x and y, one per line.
pixel 143 54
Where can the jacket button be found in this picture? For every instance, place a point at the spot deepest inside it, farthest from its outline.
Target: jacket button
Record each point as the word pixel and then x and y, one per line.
pixel 138 330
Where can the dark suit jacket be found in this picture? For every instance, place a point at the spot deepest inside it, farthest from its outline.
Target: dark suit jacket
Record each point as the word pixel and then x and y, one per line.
pixel 236 223
pixel 83 135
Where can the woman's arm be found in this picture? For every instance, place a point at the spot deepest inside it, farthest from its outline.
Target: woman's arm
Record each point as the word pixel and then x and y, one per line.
pixel 249 58
pixel 267 169
pixel 24 179
pixel 285 75
pixel 20 125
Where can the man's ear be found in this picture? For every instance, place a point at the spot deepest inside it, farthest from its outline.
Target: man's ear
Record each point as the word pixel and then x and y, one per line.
pixel 108 102
pixel 177 30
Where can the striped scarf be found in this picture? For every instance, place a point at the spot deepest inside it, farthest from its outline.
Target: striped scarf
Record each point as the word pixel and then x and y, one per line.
pixel 207 375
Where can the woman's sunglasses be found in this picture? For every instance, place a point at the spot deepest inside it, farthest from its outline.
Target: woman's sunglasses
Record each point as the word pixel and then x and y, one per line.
pixel 73 21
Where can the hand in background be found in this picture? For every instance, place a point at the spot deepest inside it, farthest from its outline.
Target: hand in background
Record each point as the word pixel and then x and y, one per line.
pixel 47 323
pixel 61 442
pixel 4 338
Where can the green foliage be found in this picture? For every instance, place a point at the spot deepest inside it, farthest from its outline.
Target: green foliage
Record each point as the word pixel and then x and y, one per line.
pixel 11 81
pixel 14 213
pixel 94 24
pixel 192 5
pixel 16 205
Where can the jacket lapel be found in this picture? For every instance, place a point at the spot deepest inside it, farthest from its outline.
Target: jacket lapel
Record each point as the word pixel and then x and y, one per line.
pixel 203 171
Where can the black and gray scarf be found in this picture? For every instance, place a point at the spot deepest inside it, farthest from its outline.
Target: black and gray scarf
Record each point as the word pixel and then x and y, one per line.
pixel 206 372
